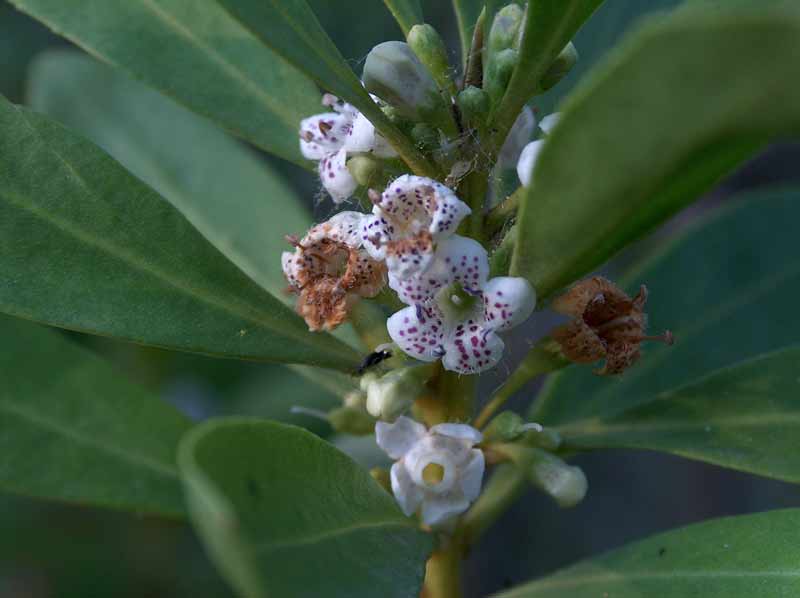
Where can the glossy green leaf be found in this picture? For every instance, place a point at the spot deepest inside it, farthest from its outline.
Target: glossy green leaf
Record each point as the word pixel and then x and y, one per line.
pixel 745 417
pixel 407 13
pixel 733 557
pixel 85 245
pixel 235 200
pixel 283 513
pixel 687 99
pixel 72 428
pixel 726 289
pixel 195 53
pixel 290 28
pixel 549 26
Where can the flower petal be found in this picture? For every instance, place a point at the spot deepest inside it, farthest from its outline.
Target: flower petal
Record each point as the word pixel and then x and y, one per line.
pixel 363 138
pixel 410 256
pixel 335 176
pixel 439 508
pixel 344 227
pixel 323 134
pixel 527 161
pixel 418 331
pixel 290 267
pixel 376 232
pixel 549 121
pixel 508 301
pixel 472 475
pixel 407 494
pixel 459 431
pixel 472 348
pixel 397 438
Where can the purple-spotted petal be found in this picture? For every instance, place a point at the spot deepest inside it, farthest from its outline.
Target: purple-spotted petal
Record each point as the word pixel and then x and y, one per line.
pixel 507 301
pixel 323 134
pixel 376 232
pixel 448 213
pixel 471 348
pixel 335 176
pixel 418 331
pixel 363 138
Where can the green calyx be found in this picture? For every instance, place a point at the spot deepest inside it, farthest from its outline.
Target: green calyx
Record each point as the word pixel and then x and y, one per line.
pixel 457 304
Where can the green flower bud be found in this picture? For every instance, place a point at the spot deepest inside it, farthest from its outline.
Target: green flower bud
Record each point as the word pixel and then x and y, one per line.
pixel 391 395
pixel 394 73
pixel 498 74
pixel 504 427
pixel 425 136
pixel 540 437
pixel 560 68
pixel 567 484
pixel 350 420
pixel 430 49
pixel 474 105
pixel 366 170
pixel 505 29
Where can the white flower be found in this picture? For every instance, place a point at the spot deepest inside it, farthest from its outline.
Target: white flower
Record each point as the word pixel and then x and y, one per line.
pixel 436 470
pixel 456 312
pixel 521 131
pixel 530 154
pixel 330 136
pixel 407 221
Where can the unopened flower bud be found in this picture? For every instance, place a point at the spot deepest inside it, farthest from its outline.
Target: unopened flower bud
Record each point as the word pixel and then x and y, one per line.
pixel 505 29
pixel 351 420
pixel 356 399
pixel 498 74
pixel 566 483
pixel 430 49
pixel 560 68
pixel 504 427
pixel 389 396
pixel 366 170
pixel 474 105
pixel 394 73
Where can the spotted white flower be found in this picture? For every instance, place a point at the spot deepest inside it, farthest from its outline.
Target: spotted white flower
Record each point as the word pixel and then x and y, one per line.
pixel 436 471
pixel 329 270
pixel 408 219
pixel 456 311
pixel 331 136
pixel 530 154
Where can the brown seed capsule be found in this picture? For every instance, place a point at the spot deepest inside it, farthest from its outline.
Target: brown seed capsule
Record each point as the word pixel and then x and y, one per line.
pixel 606 324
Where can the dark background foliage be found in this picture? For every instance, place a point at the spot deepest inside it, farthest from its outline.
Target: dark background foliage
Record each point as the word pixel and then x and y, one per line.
pixel 49 549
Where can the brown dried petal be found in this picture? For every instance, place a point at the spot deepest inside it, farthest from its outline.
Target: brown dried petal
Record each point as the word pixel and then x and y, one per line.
pixel 619 357
pixel 579 343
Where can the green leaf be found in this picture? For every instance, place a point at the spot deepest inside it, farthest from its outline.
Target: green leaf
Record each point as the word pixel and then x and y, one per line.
pixel 283 513
pixel 549 26
pixel 72 429
pixel 687 99
pixel 726 289
pixel 235 200
pixel 195 53
pixel 732 557
pixel 745 417
pixel 84 245
pixel 407 13
pixel 290 28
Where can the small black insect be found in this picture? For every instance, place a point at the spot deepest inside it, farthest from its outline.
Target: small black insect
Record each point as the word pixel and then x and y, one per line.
pixel 662 552
pixel 372 360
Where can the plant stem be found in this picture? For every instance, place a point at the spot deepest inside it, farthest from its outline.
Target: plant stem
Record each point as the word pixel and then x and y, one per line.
pixel 499 215
pixel 443 573
pixel 543 358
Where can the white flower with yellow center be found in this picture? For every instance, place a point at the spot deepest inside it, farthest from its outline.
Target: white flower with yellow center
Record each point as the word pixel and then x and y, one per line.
pixel 436 471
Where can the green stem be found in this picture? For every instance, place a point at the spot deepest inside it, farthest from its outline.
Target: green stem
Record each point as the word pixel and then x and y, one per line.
pixel 543 358
pixel 499 215
pixel 443 573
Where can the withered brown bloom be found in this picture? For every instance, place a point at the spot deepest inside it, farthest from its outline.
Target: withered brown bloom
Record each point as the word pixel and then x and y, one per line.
pixel 329 271
pixel 606 323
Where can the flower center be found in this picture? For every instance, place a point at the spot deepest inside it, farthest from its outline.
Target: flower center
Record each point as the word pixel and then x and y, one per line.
pixel 457 303
pixel 433 474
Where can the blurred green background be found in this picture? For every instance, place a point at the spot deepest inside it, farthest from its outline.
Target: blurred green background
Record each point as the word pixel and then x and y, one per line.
pixel 59 550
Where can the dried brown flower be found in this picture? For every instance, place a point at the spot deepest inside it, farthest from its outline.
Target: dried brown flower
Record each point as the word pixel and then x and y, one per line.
pixel 606 324
pixel 329 271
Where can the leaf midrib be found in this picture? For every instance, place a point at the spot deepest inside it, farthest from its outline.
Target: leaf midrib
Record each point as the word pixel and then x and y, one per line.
pixel 158 467
pixel 329 535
